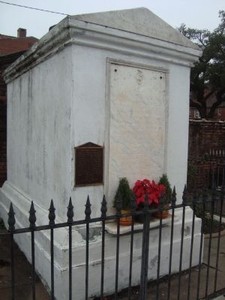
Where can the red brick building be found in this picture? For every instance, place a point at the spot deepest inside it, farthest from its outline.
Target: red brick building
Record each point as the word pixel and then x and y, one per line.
pixel 11 48
pixel 12 44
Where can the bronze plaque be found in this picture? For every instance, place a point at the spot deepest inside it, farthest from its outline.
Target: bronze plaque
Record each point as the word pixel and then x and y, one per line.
pixel 88 164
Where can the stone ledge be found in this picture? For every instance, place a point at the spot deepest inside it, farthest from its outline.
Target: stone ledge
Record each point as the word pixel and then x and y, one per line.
pixel 111 228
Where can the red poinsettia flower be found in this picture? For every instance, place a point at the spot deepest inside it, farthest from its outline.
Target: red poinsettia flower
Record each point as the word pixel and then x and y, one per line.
pixel 152 190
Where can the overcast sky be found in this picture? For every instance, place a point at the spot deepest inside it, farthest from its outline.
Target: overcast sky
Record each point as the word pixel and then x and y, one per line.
pixel 202 14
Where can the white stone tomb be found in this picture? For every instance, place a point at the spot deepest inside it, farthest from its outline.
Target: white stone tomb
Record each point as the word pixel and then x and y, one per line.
pixel 118 80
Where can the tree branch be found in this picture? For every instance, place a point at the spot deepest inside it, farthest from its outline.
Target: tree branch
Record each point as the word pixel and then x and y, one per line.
pixel 220 95
pixel 195 104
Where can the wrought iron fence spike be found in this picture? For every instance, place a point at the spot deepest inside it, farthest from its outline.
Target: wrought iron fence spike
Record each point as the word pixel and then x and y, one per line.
pixel 174 197
pixel 70 212
pixel 184 197
pixel 104 207
pixel 87 209
pixel 51 215
pixel 32 216
pixel 11 219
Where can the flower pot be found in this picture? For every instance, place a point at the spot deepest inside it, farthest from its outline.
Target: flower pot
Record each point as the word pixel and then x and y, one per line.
pixel 125 220
pixel 140 218
pixel 161 214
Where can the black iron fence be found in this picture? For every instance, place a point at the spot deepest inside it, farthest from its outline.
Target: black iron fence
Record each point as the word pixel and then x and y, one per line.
pixel 201 280
pixel 207 171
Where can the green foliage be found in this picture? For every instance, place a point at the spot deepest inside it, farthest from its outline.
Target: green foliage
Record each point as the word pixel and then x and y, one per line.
pixel 168 195
pixel 123 195
pixel 208 74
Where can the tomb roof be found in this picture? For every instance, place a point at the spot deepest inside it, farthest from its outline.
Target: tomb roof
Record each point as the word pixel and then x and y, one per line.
pixel 140 21
pixel 135 31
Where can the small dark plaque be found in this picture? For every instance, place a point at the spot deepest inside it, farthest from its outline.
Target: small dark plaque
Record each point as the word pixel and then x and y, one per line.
pixel 88 164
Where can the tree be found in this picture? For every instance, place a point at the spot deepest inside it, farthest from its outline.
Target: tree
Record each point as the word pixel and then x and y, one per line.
pixel 208 74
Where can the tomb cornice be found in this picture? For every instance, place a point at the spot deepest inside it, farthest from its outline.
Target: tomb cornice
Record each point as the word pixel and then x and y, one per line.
pixel 130 43
pixel 76 32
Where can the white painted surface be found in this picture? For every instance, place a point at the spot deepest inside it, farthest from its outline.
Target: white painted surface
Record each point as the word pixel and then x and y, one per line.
pixel 177 139
pixel 62 94
pixel 39 125
pixel 137 119
pixel 140 21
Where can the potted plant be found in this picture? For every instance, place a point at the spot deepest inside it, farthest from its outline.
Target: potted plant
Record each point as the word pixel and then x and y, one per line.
pixel 165 199
pixel 122 201
pixel 150 189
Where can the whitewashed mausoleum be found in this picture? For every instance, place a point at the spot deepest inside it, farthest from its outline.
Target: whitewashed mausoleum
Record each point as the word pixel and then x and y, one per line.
pixel 113 84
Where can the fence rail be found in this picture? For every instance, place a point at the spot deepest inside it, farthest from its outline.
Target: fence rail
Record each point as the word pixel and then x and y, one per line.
pixel 217 153
pixel 179 286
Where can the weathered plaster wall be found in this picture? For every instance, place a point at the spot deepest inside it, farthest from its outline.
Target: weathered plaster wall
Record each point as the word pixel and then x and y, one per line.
pixel 93 119
pixel 67 103
pixel 39 114
pixel 88 121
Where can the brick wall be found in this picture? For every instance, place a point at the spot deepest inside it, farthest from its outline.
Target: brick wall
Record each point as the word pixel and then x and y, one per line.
pixel 204 136
pixel 206 152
